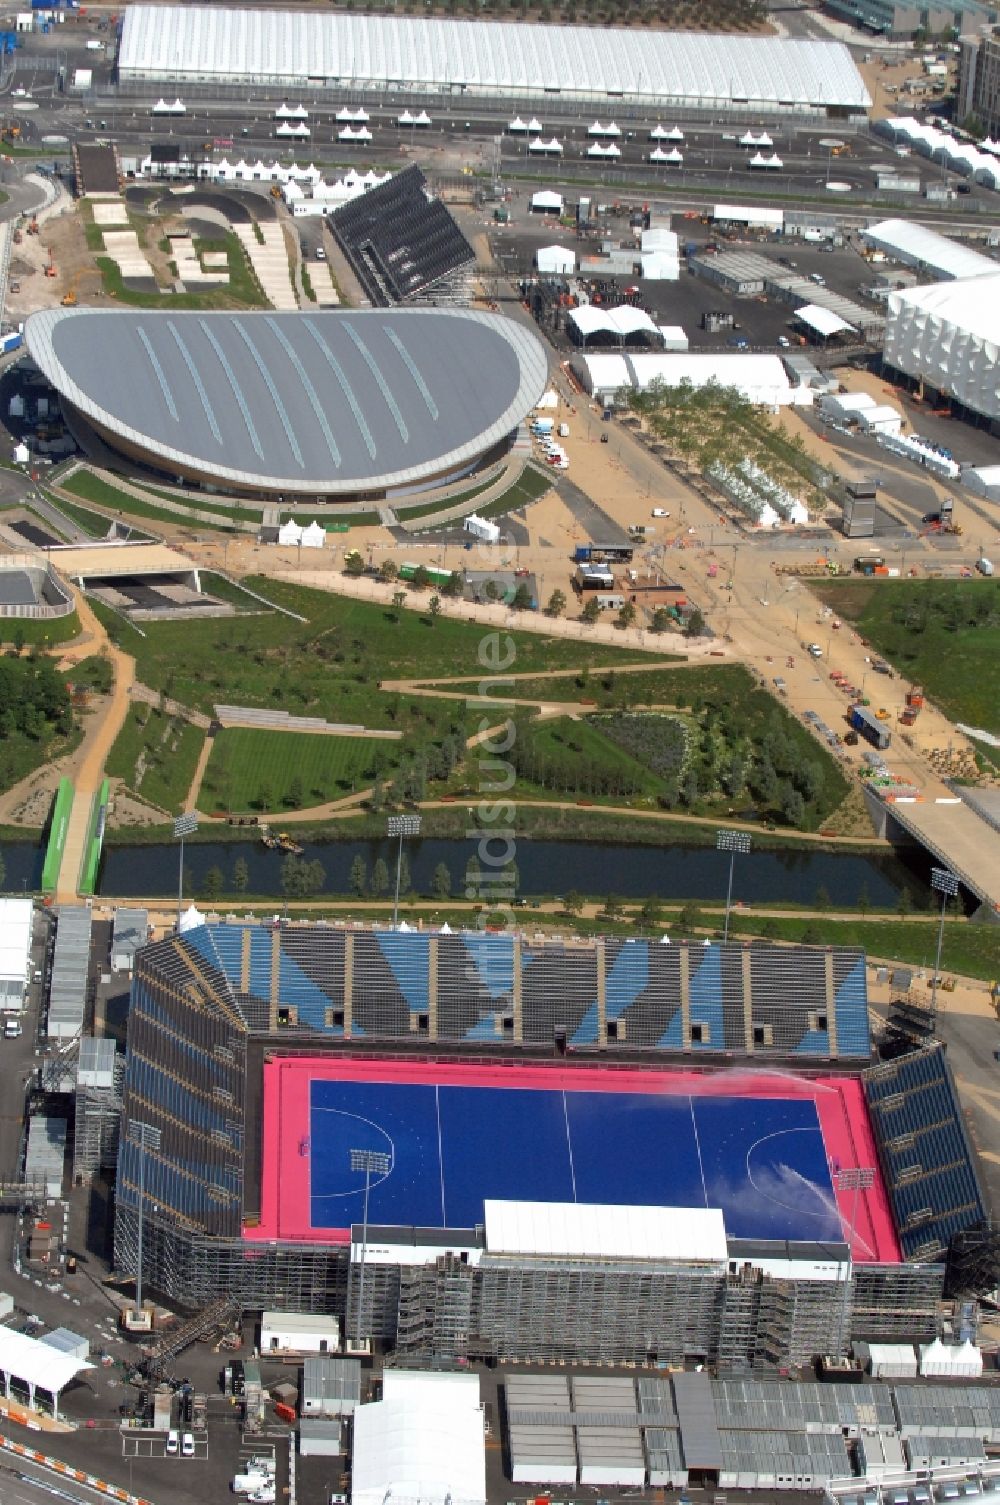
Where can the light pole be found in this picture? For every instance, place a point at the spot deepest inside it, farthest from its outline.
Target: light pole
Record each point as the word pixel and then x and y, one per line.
pixel 854 1178
pixel 401 825
pixel 367 1161
pixel 731 842
pixel 184 825
pixel 944 882
pixel 145 1137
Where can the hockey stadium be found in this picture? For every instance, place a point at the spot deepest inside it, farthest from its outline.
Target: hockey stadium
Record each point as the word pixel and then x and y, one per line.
pixel 598 1150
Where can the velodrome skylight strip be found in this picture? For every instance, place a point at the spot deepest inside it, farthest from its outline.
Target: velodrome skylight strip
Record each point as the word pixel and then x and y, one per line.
pixel 310 390
pixel 168 396
pixel 345 386
pixel 237 389
pixel 195 376
pixel 414 371
pixel 375 370
pixel 268 379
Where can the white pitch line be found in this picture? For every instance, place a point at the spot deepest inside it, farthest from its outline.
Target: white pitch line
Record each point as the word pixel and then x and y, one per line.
pixel 569 1144
pixel 697 1145
pixel 437 1112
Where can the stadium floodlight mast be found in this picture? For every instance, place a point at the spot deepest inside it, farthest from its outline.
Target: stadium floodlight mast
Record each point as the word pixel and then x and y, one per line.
pixel 184 825
pixel 853 1178
pixel 145 1137
pixel 944 882
pixel 731 842
pixel 401 825
pixel 379 1163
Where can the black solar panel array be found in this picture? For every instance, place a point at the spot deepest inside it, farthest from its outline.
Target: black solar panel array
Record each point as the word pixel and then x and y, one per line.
pixel 398 241
pixel 926 1156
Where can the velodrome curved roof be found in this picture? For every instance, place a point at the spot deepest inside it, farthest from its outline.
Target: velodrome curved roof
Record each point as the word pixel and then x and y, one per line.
pixel 296 402
pixel 200 43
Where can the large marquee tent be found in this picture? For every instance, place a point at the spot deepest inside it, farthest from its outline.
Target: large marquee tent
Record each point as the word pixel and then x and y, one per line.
pixel 202 44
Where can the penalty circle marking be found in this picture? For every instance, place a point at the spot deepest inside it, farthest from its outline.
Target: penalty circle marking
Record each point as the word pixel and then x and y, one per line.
pixel 357 1191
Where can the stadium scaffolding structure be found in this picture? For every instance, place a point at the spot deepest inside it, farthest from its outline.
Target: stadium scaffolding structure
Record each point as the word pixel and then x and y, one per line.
pixel 210 1006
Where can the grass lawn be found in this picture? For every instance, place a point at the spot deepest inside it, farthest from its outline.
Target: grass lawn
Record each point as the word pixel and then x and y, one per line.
pixel 526 489
pixel 21 755
pixel 106 494
pixel 270 771
pixel 590 763
pixel 970 949
pixel 242 290
pixel 46 633
pixel 156 755
pixel 942 634
pixel 331 664
pixel 92 523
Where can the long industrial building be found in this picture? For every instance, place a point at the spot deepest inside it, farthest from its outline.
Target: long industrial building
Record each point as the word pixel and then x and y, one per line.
pixel 656 1199
pixel 487 59
pixel 336 405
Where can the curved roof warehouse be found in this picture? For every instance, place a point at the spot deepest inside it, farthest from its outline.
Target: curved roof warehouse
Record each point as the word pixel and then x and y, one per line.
pixel 336 404
pixel 500 59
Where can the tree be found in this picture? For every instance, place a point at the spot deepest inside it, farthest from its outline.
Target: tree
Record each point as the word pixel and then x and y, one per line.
pixel 811 936
pixel 263 800
pixel 822 899
pixel 398 597
pixel 660 620
pixel 376 800
pixel 441 882
pixel 434 607
pixel 904 904
pixel 359 875
pixel 793 806
pixel 473 877
pixel 650 914
pixel 695 624
pixel 556 604
pixel 213 884
pixel 380 878
pixel 573 902
pixel 454 585
pixel 491 590
pixel 389 570
pixel 354 564
pixel 591 611
pixel 864 899
pixel 294 794
pixel 689 918
pixel 770 930
pixel 241 875
pixel 421 577
pixel 626 614
pixel 613 906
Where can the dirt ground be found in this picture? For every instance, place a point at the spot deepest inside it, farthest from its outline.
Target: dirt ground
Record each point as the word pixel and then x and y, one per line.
pixel 61 238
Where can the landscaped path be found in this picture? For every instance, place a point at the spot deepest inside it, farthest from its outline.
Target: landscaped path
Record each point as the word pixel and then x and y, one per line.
pixel 97 744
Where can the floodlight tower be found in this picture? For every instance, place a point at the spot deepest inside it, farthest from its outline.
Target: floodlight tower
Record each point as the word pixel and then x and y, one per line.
pixel 944 882
pixel 380 1163
pixel 731 842
pixel 401 825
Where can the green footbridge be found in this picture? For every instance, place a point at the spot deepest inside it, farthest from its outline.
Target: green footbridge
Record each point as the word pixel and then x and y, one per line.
pixel 58 830
pixel 95 840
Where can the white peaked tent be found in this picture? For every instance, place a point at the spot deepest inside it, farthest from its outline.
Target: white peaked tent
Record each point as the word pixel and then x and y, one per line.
pixel 445 929
pixel 548 399
pixel 546 202
pixel 675 134
pixel 290 533
pixel 964 1359
pixel 313 537
pixel 191 919
pixel 22 454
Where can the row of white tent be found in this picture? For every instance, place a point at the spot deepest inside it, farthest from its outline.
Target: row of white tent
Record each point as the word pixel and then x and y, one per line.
pixel 312 537
pixel 749 139
pixel 344 116
pixel 660 133
pixel 299 131
pixel 161 107
pixel 759 160
pixel 354 133
pixel 672 158
pixel 296 112
pixel 597 150
pixel 978 162
pixel 406 118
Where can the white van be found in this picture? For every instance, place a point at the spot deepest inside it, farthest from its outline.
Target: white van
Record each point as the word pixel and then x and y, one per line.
pixel 11 1029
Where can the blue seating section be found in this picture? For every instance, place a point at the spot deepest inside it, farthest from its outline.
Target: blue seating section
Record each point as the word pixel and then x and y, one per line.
pixel 777 997
pixel 927 1160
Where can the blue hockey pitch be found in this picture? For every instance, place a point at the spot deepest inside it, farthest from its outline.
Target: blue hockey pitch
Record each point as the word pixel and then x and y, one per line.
pixel 761 1160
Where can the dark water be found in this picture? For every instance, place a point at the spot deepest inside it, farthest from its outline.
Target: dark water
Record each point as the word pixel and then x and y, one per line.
pixel 545 868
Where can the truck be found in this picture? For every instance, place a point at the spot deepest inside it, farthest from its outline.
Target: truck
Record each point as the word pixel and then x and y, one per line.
pixel 246 1484
pixel 541 426
pixel 12 341
pixel 984 566
pixel 870 727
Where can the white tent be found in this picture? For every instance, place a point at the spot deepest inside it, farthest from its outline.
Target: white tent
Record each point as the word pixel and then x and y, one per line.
pixel 313 537
pixel 547 202
pixel 948 335
pixel 659 266
pixel 290 532
pixel 547 401
pixel 675 134
pixel 424 1440
pixel 534 124
pixel 191 919
pixel 445 929
pixel 349 133
pixel 939 1358
pixel 555 259
pixel 517 126
pixel 597 150
pixel 553 146
pixel 22 454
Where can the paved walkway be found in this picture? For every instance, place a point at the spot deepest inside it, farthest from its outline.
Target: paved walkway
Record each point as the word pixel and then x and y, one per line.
pixel 97 746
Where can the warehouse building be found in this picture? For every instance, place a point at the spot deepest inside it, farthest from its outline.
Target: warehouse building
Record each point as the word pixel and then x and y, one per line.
pixel 761 379
pixel 489 59
pixel 947 337
pixel 424 1440
pixel 930 252
pixel 16 921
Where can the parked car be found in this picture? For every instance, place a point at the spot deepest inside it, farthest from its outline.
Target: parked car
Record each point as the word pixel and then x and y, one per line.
pixel 187 1445
pixel 173 1442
